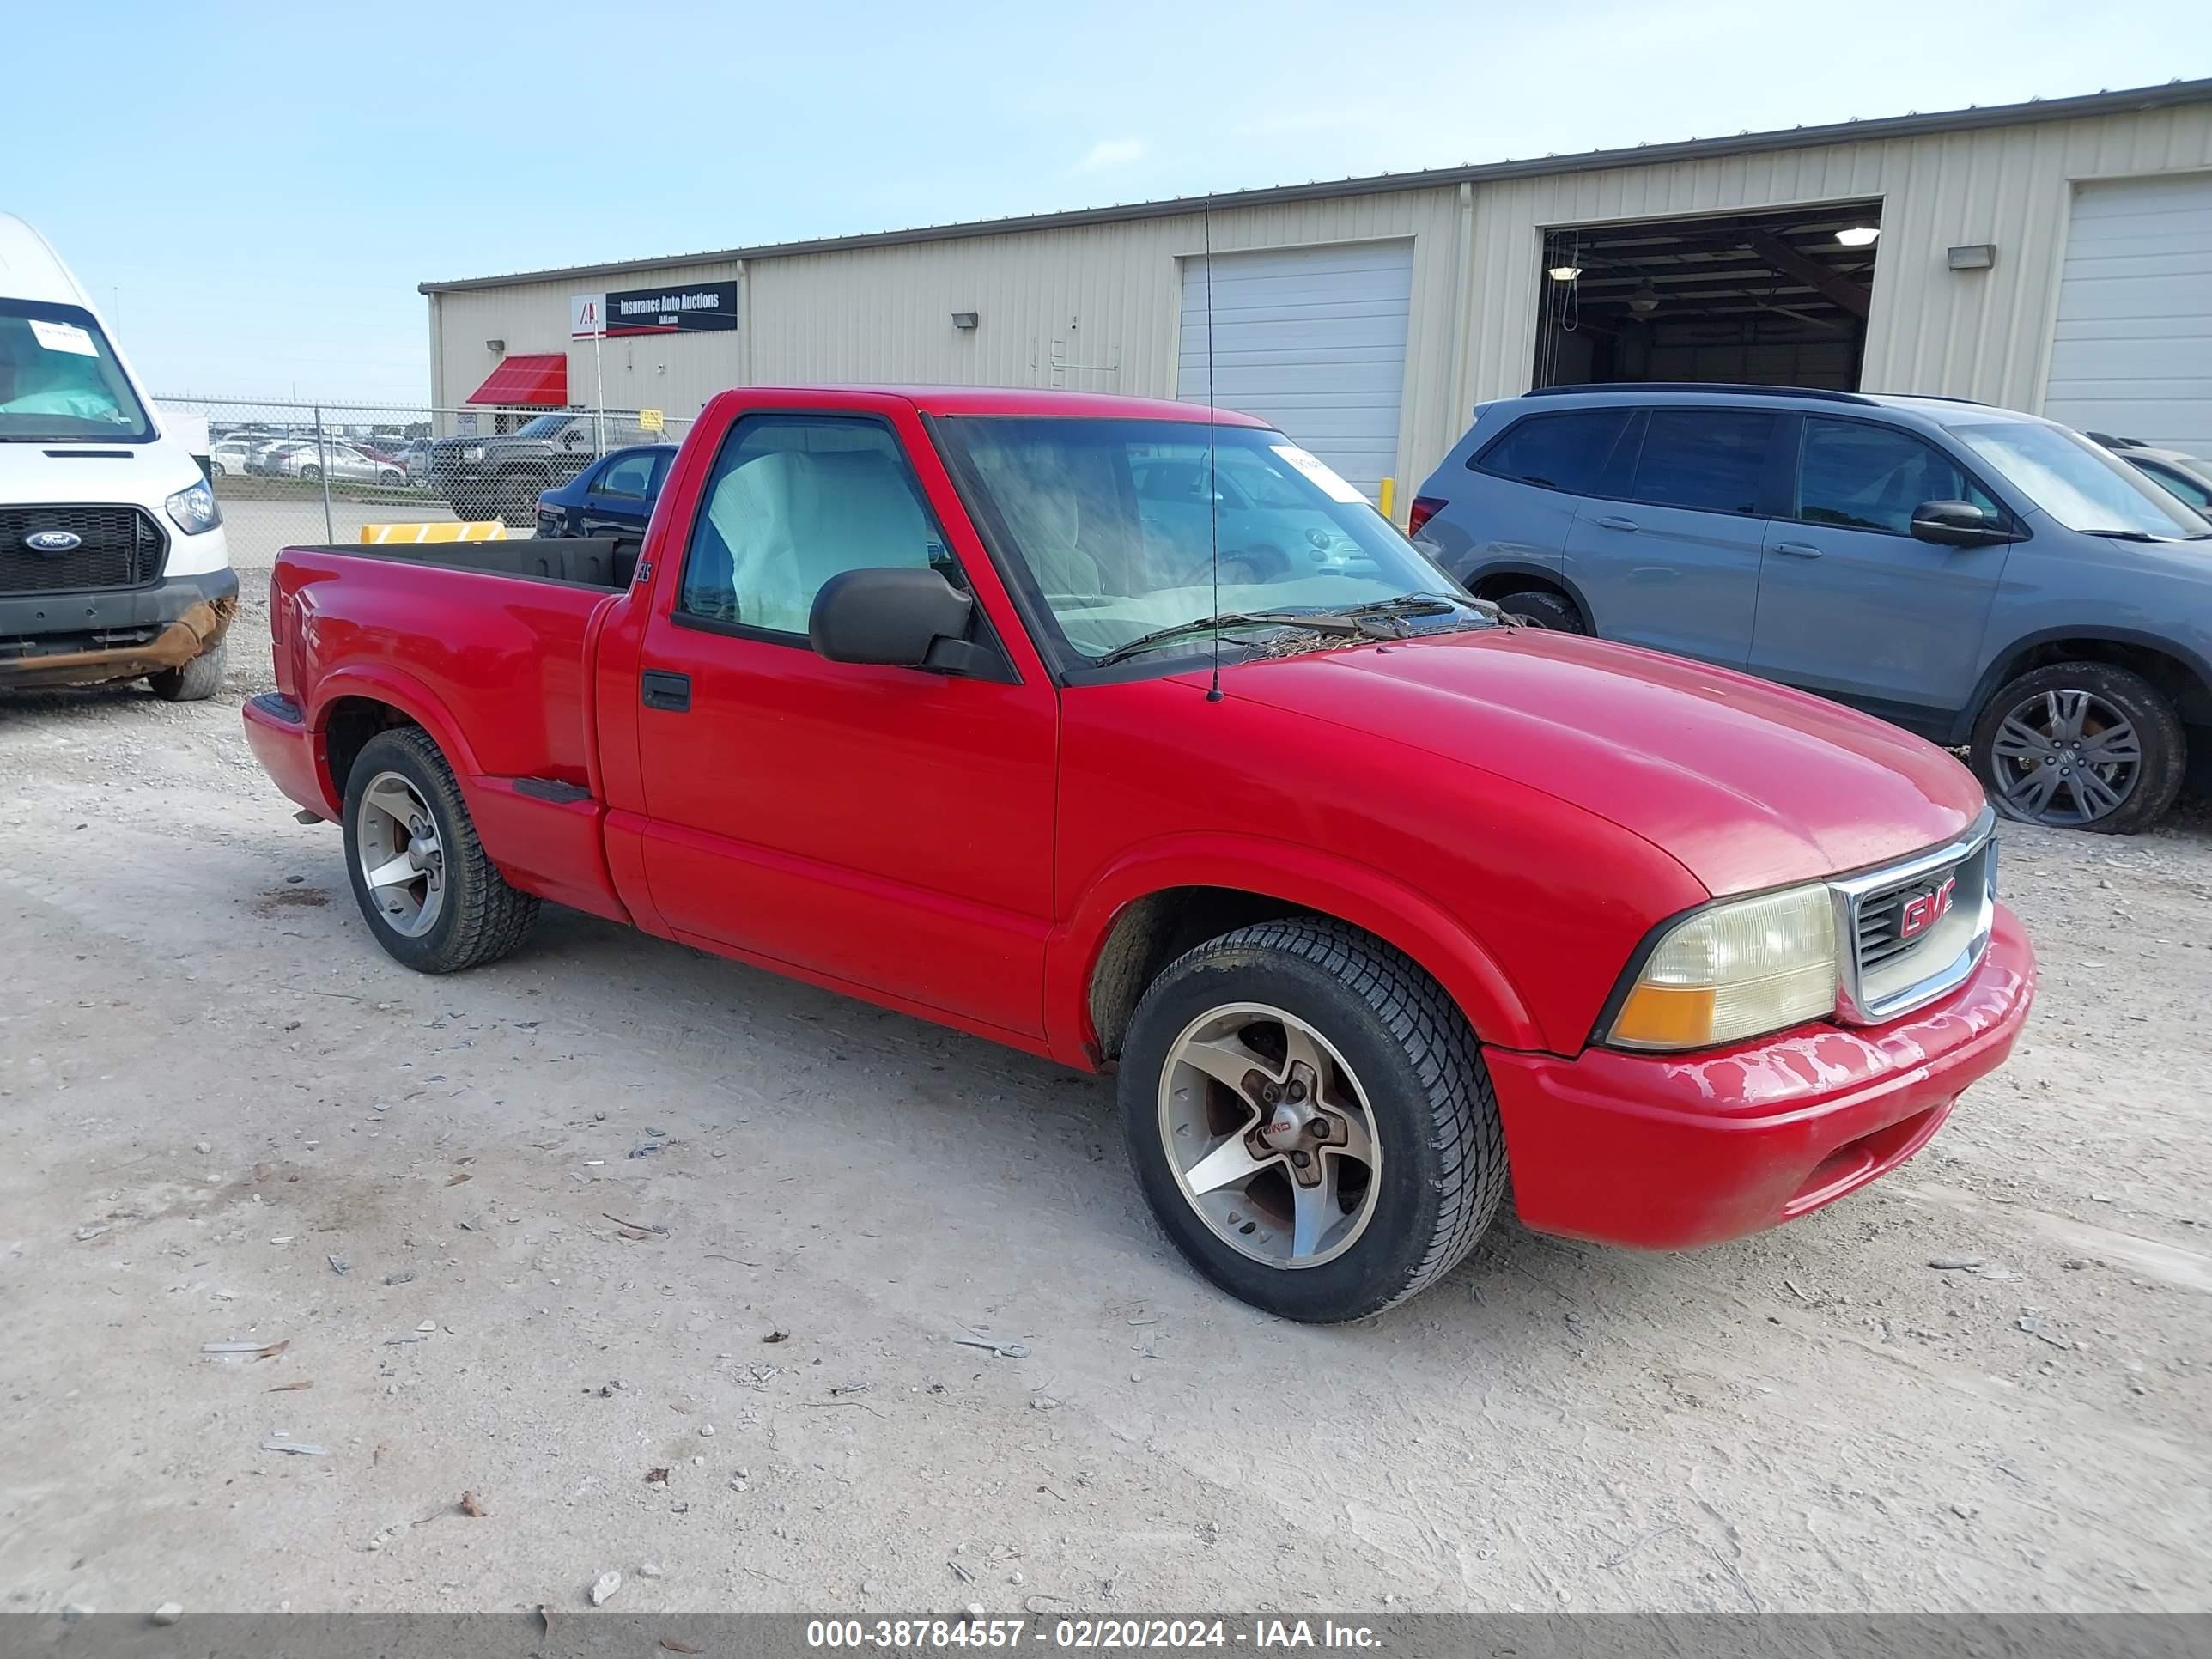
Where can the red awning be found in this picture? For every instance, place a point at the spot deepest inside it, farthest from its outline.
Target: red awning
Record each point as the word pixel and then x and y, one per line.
pixel 526 382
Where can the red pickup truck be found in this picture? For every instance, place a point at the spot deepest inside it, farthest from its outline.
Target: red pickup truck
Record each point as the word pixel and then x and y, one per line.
pixel 1137 739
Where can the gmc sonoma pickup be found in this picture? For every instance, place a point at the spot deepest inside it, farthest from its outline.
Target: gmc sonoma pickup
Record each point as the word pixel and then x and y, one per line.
pixel 1370 898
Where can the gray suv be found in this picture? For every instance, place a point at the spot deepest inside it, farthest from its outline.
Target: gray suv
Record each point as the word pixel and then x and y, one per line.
pixel 1979 576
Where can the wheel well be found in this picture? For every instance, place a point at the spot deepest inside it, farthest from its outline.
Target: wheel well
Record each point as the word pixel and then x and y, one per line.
pixel 353 721
pixel 1499 584
pixel 2187 692
pixel 1153 931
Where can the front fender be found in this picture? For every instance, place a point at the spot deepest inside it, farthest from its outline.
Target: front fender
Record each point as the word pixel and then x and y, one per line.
pixel 1295 874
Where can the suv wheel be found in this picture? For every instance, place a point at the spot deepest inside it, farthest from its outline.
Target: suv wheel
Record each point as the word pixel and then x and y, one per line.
pixel 2081 746
pixel 1538 608
pixel 1310 1119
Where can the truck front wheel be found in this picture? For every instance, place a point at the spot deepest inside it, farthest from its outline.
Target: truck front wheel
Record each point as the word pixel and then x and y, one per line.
pixel 1311 1119
pixel 435 901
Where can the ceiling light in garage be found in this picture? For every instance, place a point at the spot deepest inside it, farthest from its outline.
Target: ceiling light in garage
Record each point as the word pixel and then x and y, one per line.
pixel 1858 235
pixel 1563 273
pixel 1644 300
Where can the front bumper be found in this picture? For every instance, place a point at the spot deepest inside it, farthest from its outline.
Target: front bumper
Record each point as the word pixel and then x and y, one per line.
pixel 1668 1153
pixel 120 633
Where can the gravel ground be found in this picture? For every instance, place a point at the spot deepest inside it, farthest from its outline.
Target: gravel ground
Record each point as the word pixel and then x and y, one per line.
pixel 668 1262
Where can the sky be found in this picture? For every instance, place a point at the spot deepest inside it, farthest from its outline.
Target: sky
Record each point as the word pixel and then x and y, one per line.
pixel 253 193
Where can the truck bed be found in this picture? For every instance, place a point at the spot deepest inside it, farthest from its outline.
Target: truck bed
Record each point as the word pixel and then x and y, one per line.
pixel 603 562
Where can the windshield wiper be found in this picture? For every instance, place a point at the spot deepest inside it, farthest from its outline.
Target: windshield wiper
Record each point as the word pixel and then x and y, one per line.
pixel 1406 604
pixel 1319 621
pixel 2130 536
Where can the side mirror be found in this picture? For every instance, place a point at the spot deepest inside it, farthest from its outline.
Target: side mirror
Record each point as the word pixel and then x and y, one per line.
pixel 897 618
pixel 1957 524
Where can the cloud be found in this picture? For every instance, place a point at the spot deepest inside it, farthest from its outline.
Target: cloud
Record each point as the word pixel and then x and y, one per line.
pixel 1111 152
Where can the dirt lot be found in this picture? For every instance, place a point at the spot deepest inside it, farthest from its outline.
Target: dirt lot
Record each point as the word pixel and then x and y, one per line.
pixel 225 1116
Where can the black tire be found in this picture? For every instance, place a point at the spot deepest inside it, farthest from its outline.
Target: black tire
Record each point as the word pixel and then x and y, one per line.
pixel 1444 1168
pixel 518 496
pixel 2160 762
pixel 196 682
pixel 1539 608
pixel 468 506
pixel 481 919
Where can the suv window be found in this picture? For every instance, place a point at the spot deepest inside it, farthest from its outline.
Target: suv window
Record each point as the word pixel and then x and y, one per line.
pixel 1557 452
pixel 793 500
pixel 630 477
pixel 1858 476
pixel 1708 458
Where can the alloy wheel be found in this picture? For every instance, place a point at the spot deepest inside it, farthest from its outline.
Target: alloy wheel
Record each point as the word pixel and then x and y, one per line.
pixel 1270 1135
pixel 402 857
pixel 2065 758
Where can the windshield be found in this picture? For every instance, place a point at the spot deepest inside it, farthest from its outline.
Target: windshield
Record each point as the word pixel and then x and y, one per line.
pixel 2078 483
pixel 59 380
pixel 542 426
pixel 1116 527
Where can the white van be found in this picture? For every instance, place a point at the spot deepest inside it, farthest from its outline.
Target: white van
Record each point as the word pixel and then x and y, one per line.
pixel 112 561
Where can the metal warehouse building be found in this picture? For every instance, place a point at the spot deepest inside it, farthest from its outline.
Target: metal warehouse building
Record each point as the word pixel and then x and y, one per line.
pixel 2054 256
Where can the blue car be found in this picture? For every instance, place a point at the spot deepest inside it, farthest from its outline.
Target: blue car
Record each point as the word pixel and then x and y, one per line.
pixel 612 496
pixel 1989 580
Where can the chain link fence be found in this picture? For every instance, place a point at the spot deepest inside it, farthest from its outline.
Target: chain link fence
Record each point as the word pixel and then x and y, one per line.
pixel 291 474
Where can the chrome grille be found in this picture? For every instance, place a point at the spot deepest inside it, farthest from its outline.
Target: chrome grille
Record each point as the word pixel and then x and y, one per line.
pixel 117 547
pixel 1916 928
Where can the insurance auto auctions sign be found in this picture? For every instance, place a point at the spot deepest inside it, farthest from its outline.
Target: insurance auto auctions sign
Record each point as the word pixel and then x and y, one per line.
pixel 701 308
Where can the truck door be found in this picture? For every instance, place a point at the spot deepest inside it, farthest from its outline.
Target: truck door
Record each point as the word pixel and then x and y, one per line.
pixel 888 829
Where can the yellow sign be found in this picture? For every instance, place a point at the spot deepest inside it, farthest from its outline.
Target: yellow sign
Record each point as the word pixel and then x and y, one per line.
pixel 490 530
pixel 651 420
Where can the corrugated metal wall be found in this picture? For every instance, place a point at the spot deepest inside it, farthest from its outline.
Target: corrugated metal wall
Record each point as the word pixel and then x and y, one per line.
pixel 1095 307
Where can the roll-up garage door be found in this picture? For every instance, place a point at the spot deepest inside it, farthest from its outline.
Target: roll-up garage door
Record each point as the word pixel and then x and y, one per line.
pixel 2132 352
pixel 1310 339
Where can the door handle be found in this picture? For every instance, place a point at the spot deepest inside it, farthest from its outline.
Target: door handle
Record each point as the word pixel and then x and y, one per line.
pixel 1798 549
pixel 662 689
pixel 1627 524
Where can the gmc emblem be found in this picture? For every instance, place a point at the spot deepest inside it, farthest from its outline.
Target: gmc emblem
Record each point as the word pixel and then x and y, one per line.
pixel 1924 911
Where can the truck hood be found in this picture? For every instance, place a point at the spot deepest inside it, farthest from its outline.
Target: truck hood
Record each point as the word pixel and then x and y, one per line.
pixel 1748 785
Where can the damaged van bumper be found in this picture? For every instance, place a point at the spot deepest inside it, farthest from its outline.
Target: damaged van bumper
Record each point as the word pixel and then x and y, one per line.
pixel 85 638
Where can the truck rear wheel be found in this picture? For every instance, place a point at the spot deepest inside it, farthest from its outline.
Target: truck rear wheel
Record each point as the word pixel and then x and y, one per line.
pixel 433 898
pixel 1311 1119
pixel 517 495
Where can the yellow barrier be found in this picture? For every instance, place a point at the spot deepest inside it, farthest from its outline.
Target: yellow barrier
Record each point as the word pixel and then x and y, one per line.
pixel 1389 503
pixel 452 530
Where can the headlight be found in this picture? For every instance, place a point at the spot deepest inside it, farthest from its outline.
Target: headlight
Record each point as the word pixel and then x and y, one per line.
pixel 1731 970
pixel 473 453
pixel 194 509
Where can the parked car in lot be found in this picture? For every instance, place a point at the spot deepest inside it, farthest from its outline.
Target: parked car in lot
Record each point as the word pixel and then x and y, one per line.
pixel 344 463
pixel 113 564
pixel 1368 895
pixel 613 496
pixel 1985 578
pixel 228 457
pixel 503 477
pixel 2179 473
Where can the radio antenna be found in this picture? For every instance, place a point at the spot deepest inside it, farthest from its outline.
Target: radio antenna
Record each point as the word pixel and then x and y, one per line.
pixel 1212 489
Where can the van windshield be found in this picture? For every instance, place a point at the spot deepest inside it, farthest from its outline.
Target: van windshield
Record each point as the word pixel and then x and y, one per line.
pixel 59 380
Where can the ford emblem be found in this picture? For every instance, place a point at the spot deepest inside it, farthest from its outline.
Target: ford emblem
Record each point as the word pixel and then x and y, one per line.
pixel 53 543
